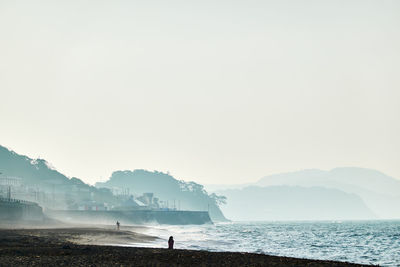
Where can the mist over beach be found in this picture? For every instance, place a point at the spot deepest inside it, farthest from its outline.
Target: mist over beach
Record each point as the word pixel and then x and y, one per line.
pixel 210 133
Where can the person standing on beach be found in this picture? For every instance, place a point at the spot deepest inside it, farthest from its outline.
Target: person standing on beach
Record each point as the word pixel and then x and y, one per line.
pixel 171 242
pixel 117 225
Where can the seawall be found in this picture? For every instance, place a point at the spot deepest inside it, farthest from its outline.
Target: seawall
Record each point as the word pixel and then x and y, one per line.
pixel 131 216
pixel 14 210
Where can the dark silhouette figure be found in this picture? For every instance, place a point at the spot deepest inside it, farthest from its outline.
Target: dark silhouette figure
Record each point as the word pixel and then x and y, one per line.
pixel 171 243
pixel 118 225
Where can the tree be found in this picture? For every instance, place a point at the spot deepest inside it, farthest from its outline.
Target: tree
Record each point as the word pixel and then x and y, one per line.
pixel 219 200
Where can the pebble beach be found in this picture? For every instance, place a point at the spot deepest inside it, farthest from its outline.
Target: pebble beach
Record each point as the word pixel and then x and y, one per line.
pixel 77 246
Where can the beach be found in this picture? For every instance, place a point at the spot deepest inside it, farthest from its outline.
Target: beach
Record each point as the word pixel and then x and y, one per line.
pixel 104 246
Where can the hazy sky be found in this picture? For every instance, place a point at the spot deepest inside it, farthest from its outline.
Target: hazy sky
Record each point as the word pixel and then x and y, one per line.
pixel 212 91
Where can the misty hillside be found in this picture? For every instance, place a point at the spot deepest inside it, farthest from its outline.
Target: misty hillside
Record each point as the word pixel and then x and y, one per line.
pixel 381 193
pixel 293 203
pixel 33 171
pixel 47 185
pixel 186 195
pixel 53 189
pixel 366 179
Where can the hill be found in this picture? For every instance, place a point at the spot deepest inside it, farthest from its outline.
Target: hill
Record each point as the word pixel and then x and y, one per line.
pixel 40 182
pixel 293 203
pixel 380 192
pixel 184 195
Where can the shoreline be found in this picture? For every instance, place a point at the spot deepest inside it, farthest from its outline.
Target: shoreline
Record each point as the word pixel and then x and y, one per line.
pixel 86 246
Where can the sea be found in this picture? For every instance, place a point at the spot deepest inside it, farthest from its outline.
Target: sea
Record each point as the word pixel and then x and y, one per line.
pixel 366 242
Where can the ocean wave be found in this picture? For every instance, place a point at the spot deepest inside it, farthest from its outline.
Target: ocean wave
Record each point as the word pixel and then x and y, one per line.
pixel 366 242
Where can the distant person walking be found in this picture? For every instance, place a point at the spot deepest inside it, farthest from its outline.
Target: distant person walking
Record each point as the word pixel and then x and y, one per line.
pixel 171 242
pixel 118 225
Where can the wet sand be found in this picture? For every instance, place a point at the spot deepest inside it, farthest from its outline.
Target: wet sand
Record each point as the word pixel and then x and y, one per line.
pixel 78 246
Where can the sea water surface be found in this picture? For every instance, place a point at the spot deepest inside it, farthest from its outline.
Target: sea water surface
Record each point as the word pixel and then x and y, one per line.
pixel 367 242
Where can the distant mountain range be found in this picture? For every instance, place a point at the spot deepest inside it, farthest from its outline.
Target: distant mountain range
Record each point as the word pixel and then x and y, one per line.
pixel 281 203
pixel 348 193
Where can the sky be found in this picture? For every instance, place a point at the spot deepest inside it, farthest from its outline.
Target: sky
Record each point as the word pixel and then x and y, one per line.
pixel 218 92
